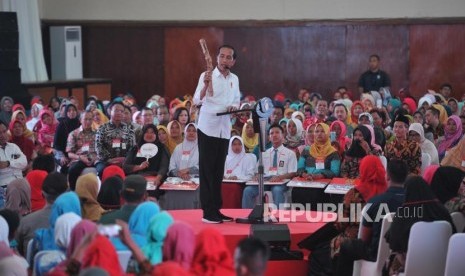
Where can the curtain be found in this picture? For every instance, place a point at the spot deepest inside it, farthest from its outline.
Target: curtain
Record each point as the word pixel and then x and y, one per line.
pixel 31 55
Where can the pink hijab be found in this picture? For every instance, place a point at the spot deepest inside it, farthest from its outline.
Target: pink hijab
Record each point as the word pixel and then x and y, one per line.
pixel 179 244
pixel 373 141
pixel 450 139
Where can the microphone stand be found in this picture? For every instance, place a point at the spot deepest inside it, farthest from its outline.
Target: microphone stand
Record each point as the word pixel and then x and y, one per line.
pixel 257 214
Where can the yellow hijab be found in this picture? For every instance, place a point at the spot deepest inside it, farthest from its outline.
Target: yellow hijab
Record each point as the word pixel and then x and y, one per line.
pixel 87 187
pixel 320 150
pixel 170 144
pixel 168 127
pixel 103 119
pixel 249 143
pixel 442 113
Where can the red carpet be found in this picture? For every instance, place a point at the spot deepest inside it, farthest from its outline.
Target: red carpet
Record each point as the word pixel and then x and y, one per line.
pixel 234 232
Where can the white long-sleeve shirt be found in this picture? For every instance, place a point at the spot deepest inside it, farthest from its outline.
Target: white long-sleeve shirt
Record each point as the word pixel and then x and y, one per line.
pixel 18 162
pixel 286 161
pixel 225 93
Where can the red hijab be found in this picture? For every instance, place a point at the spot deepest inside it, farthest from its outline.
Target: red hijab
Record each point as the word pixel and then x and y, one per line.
pixel 352 115
pixel 412 105
pixel 211 256
pixel 112 170
pixel 101 253
pixel 36 179
pixel 342 138
pixel 25 144
pixel 372 179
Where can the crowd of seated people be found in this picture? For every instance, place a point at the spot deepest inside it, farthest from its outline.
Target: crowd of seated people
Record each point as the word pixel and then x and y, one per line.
pixel 85 158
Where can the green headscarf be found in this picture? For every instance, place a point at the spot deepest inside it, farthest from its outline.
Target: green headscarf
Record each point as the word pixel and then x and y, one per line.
pixel 158 227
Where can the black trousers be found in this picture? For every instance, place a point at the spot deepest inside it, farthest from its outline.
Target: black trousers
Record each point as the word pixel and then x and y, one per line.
pixel 212 156
pixel 351 250
pixel 74 172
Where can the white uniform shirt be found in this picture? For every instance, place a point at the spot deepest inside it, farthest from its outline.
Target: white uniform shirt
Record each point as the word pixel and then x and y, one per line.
pixel 18 162
pixel 225 93
pixel 286 161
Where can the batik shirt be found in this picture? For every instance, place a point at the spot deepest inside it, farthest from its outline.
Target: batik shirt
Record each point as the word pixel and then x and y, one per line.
pixel 112 141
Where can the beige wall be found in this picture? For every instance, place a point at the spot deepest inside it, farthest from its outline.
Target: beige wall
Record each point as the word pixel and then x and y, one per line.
pixel 247 9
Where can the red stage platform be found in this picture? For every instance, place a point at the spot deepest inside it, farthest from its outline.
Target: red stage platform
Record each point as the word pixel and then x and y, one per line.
pixel 234 232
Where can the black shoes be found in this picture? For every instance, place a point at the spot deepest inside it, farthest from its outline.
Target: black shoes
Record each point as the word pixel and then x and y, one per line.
pixel 212 220
pixel 219 218
pixel 225 218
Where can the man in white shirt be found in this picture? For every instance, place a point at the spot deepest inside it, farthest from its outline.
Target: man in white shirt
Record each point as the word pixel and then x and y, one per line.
pixel 279 163
pixel 214 131
pixel 12 162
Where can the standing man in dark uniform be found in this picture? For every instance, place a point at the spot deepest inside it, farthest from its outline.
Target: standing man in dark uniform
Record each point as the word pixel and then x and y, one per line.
pixel 374 78
pixel 214 131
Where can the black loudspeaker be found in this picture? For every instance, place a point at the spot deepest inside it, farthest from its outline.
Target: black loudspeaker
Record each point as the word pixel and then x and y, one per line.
pixel 9 59
pixel 8 21
pixel 10 82
pixel 276 235
pixel 278 238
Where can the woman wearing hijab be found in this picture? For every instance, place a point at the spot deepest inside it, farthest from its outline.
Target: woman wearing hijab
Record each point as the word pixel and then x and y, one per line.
pixel 20 116
pixel 452 135
pixel 66 124
pixel 410 105
pixel 36 179
pixel 157 165
pixel 454 106
pixel 109 196
pixel 35 112
pixel 87 187
pixel 19 138
pixel 78 233
pixel 294 134
pixel 454 157
pixel 165 138
pixel 139 223
pixel 113 170
pixel 309 138
pixel 156 234
pixel 5 109
pixel 10 263
pixel 356 109
pixel 95 251
pixel 99 119
pixel 239 164
pixel 320 160
pixel 179 244
pixel 249 137
pixel 45 129
pixel 185 159
pixel 445 185
pixel 359 148
pixel 417 196
pixel 175 131
pixel 18 197
pixel 211 256
pixel 65 203
pixel 51 259
pixel 392 107
pixel 372 182
pixel 417 134
pixel 341 140
pixel 283 124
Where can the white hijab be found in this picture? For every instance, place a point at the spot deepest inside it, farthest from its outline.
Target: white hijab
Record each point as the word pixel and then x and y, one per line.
pixel 63 227
pixel 426 145
pixel 191 146
pixel 234 157
pixel 4 229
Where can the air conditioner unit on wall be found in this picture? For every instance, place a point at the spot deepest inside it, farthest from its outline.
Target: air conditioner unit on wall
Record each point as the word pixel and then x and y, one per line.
pixel 66 52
